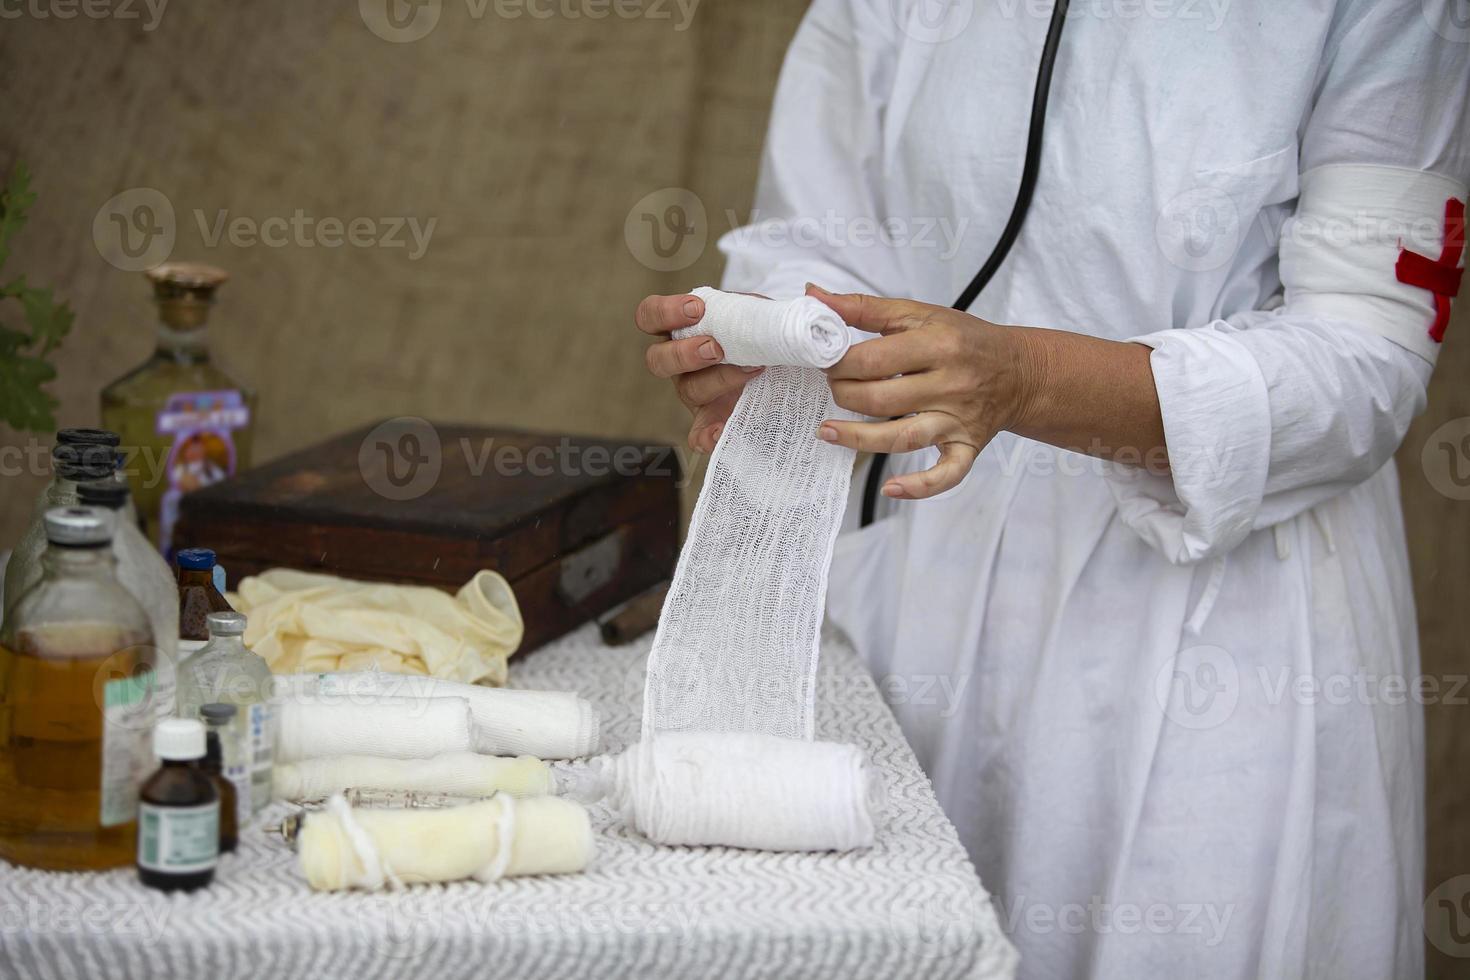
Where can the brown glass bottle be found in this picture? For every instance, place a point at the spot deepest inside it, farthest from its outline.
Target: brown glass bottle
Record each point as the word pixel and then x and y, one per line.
pixel 216 717
pixel 178 812
pixel 197 595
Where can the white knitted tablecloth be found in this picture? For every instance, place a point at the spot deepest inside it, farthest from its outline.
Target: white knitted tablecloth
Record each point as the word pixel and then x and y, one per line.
pixel 909 907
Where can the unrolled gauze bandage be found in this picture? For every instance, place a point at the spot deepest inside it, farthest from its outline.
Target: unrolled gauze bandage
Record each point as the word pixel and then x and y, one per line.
pixel 455 774
pixel 342 847
pixel 727 756
pixel 394 728
pixel 545 724
pixel 744 790
pixel 736 647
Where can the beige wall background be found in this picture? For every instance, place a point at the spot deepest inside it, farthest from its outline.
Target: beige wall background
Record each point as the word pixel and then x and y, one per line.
pixel 527 140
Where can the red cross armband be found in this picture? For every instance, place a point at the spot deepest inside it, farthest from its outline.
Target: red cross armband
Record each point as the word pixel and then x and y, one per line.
pixel 1377 248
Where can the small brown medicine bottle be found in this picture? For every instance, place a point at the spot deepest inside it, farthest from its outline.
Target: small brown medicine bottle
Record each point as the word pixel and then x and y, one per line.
pixel 218 719
pixel 178 812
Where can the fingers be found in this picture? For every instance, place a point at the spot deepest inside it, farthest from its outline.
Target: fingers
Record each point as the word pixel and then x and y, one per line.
pixel 888 397
pixel 709 423
pixel 903 435
pixel 955 460
pixel 662 314
pixel 675 357
pixel 874 313
pixel 702 387
pixel 883 357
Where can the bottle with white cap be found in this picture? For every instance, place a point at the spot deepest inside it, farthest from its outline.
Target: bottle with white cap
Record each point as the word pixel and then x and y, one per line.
pixel 178 812
pixel 76 704
pixel 225 671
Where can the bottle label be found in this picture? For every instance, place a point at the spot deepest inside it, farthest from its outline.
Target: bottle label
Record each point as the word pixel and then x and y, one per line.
pixel 203 426
pixel 127 718
pixel 178 839
pixel 238 773
pixel 261 749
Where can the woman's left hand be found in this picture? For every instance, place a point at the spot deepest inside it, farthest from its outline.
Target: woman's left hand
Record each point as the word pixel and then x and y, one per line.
pixel 955 379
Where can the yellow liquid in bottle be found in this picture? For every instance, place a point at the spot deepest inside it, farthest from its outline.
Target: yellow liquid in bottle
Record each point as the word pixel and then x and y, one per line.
pixel 54 753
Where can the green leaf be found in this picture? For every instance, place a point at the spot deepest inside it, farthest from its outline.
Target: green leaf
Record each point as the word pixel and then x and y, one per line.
pixel 49 320
pixel 23 404
pixel 15 200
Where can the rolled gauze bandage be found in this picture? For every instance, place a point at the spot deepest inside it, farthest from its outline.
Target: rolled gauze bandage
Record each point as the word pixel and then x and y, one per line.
pixel 393 728
pixel 454 774
pixel 545 724
pixel 757 332
pixel 341 847
pixel 746 790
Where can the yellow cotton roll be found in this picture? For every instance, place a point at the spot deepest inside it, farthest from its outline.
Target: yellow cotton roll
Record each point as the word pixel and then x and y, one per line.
pixel 343 848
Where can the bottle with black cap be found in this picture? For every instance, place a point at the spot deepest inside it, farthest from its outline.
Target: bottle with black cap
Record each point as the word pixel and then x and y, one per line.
pixel 76 676
pixel 143 572
pixel 72 462
pixel 178 812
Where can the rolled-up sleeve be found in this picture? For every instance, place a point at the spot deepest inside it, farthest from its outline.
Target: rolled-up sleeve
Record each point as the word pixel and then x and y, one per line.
pixel 1269 413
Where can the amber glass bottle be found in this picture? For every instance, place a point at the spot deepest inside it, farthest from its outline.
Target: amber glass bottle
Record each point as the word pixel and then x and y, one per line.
pixel 184 421
pixel 218 720
pixel 178 812
pixel 76 676
pixel 197 597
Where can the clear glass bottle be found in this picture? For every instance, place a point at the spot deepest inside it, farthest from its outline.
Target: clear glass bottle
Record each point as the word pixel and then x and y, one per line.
pixel 142 571
pixel 76 673
pixel 70 465
pixel 190 420
pixel 225 671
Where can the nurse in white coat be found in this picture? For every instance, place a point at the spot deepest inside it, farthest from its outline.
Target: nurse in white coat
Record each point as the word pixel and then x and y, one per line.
pixel 1138 589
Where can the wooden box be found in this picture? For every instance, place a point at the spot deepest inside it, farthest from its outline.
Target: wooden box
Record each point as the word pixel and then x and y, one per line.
pixel 576 525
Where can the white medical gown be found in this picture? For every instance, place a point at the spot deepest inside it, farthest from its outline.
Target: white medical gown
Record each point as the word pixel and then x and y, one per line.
pixel 1174 718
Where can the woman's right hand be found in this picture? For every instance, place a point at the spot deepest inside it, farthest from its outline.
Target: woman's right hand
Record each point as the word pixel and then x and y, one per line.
pixel 708 388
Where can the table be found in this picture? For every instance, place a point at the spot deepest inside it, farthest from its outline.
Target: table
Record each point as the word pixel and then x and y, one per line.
pixel 911 906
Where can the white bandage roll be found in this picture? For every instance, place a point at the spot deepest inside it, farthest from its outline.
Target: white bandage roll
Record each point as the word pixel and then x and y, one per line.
pixel 545 724
pixel 455 774
pixel 342 847
pixel 746 790
pixel 758 332
pixel 393 728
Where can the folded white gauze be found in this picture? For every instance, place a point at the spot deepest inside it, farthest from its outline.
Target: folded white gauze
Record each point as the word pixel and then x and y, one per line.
pixel 727 756
pixel 545 724
pixel 394 728
pixel 759 332
pixel 342 847
pixel 454 774
pixel 744 790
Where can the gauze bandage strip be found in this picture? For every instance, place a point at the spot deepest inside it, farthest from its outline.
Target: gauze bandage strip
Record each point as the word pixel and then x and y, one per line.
pixel 393 728
pixel 736 647
pixel 342 847
pixel 726 756
pixel 455 774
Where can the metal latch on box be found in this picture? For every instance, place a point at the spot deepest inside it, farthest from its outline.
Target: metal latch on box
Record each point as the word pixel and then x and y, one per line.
pixel 584 572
